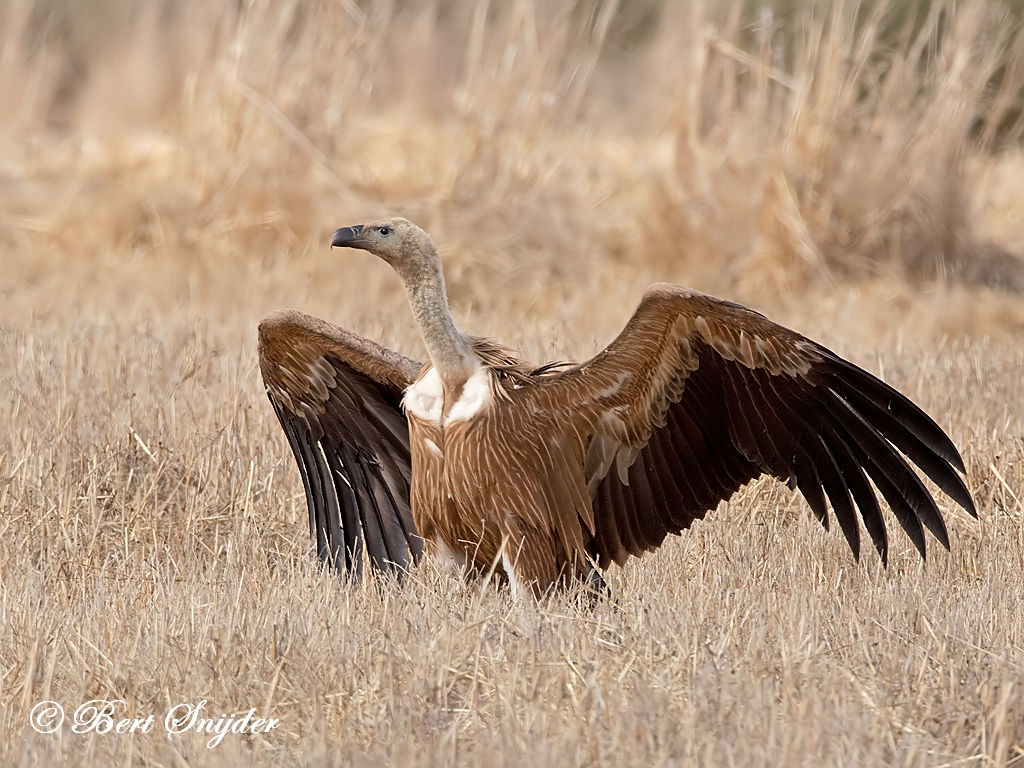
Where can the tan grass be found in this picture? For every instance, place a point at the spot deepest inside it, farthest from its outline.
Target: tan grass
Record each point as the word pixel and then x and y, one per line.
pixel 168 176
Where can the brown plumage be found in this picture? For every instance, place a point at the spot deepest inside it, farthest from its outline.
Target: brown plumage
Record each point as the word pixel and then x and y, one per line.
pixel 545 472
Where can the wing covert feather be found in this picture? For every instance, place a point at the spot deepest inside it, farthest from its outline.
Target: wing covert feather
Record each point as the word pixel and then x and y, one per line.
pixel 338 399
pixel 707 395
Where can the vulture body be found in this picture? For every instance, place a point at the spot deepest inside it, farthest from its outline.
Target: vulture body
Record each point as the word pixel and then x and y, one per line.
pixel 551 472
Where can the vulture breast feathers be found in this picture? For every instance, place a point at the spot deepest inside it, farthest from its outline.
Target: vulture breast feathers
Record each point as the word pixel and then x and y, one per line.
pixel 557 469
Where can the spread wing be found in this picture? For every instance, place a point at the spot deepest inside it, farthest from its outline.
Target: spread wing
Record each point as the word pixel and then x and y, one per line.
pixel 697 396
pixel 337 396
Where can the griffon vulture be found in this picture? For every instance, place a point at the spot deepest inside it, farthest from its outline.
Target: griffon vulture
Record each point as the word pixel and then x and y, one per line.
pixel 548 472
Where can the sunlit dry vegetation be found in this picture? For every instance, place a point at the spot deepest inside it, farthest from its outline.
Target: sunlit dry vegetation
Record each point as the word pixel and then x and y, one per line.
pixel 169 173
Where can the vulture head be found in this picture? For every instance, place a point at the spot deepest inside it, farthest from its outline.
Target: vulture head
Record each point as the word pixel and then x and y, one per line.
pixel 399 242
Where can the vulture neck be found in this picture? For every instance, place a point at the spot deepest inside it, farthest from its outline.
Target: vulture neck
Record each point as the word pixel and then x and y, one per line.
pixel 448 349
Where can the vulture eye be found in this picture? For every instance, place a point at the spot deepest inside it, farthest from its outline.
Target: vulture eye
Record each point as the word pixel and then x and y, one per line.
pixel 384 231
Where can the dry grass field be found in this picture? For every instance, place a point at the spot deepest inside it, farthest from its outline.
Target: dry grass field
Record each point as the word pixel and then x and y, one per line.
pixel 170 172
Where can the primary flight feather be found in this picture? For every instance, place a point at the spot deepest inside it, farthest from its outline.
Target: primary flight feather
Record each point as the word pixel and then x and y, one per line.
pixel 555 471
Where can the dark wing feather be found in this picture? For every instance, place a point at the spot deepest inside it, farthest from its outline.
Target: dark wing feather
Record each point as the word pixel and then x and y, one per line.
pixel 705 395
pixel 338 398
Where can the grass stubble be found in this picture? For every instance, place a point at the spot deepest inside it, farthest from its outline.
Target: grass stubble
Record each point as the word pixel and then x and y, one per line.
pixel 164 187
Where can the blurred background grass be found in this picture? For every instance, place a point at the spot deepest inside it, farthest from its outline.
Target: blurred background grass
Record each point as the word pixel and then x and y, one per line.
pixel 758 147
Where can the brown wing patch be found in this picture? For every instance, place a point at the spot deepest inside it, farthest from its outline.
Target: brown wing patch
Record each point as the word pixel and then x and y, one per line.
pixel 337 397
pixel 718 395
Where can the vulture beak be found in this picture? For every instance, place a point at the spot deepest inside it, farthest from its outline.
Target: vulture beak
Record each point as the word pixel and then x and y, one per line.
pixel 350 237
